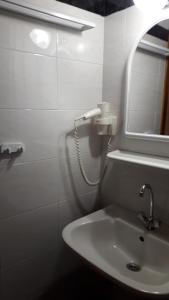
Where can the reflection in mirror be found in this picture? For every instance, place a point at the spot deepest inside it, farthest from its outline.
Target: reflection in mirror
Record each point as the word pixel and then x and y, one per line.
pixel 148 108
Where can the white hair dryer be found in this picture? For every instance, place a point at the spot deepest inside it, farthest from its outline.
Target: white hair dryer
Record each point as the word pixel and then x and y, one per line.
pixel 90 114
pixel 105 121
pixel 106 124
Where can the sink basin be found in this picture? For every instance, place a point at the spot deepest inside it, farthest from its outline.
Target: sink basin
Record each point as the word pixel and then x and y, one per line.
pixel 114 241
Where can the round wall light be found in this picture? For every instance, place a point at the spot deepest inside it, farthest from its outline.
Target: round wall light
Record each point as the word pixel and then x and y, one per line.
pixel 151 6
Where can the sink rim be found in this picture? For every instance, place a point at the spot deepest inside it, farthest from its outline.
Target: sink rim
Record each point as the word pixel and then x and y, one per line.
pixel 113 213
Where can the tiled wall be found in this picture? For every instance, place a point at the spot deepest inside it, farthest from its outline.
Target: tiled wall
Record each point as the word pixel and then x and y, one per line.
pixel 48 76
pixel 120 34
pixel 123 180
pixel 147 90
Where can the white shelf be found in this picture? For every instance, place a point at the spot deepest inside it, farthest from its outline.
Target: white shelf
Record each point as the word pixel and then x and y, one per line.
pixel 153 48
pixel 141 159
pixel 50 16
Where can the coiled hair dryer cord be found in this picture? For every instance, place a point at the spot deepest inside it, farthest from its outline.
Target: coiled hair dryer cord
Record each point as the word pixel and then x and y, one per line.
pixel 78 152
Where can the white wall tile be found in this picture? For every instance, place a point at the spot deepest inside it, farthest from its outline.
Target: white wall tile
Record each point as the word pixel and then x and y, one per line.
pixel 131 177
pixel 112 81
pixel 27 235
pixel 157 122
pixel 71 210
pixel 135 20
pixel 80 84
pixel 29 186
pixel 145 81
pixel 53 182
pixel 75 46
pixel 27 80
pixel 114 28
pixel 114 59
pixel 39 101
pixel 29 279
pixel 36 129
pixel 81 46
pixel 42 131
pixel 141 121
pixel 26 187
pixel 143 99
pixel 72 184
pixel 146 63
pixel 27 34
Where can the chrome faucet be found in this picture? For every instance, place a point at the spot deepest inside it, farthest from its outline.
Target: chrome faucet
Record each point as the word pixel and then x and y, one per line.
pixel 150 223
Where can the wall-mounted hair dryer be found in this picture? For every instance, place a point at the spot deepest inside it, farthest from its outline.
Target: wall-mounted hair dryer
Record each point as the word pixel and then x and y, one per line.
pixel 90 114
pixel 106 124
pixel 103 118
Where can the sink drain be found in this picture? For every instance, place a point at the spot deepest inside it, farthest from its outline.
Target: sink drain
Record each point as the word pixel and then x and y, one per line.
pixel 133 267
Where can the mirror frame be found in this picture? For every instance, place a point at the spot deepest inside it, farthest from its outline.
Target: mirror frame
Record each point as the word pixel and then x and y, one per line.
pixel 164 15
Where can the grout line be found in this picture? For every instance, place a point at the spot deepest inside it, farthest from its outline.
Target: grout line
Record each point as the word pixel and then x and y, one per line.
pixel 38 160
pixel 79 60
pixel 26 51
pixel 57 56
pixel 29 211
pixel 35 209
pixel 48 109
pixel 24 260
pixel 33 161
pixel 95 190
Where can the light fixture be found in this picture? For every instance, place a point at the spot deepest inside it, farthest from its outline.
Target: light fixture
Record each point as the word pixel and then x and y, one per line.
pixel 151 6
pixel 33 11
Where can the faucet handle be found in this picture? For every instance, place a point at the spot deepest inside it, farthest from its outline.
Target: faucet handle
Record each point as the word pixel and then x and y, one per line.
pixel 156 224
pixel 149 224
pixel 142 217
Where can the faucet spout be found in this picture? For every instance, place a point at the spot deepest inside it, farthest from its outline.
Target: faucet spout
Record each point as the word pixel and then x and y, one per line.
pixel 150 223
pixel 151 198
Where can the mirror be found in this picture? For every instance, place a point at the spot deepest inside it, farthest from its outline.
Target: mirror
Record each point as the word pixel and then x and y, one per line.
pixel 147 110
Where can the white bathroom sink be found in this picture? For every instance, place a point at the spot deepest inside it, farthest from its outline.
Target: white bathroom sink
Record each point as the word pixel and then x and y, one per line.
pixel 112 238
